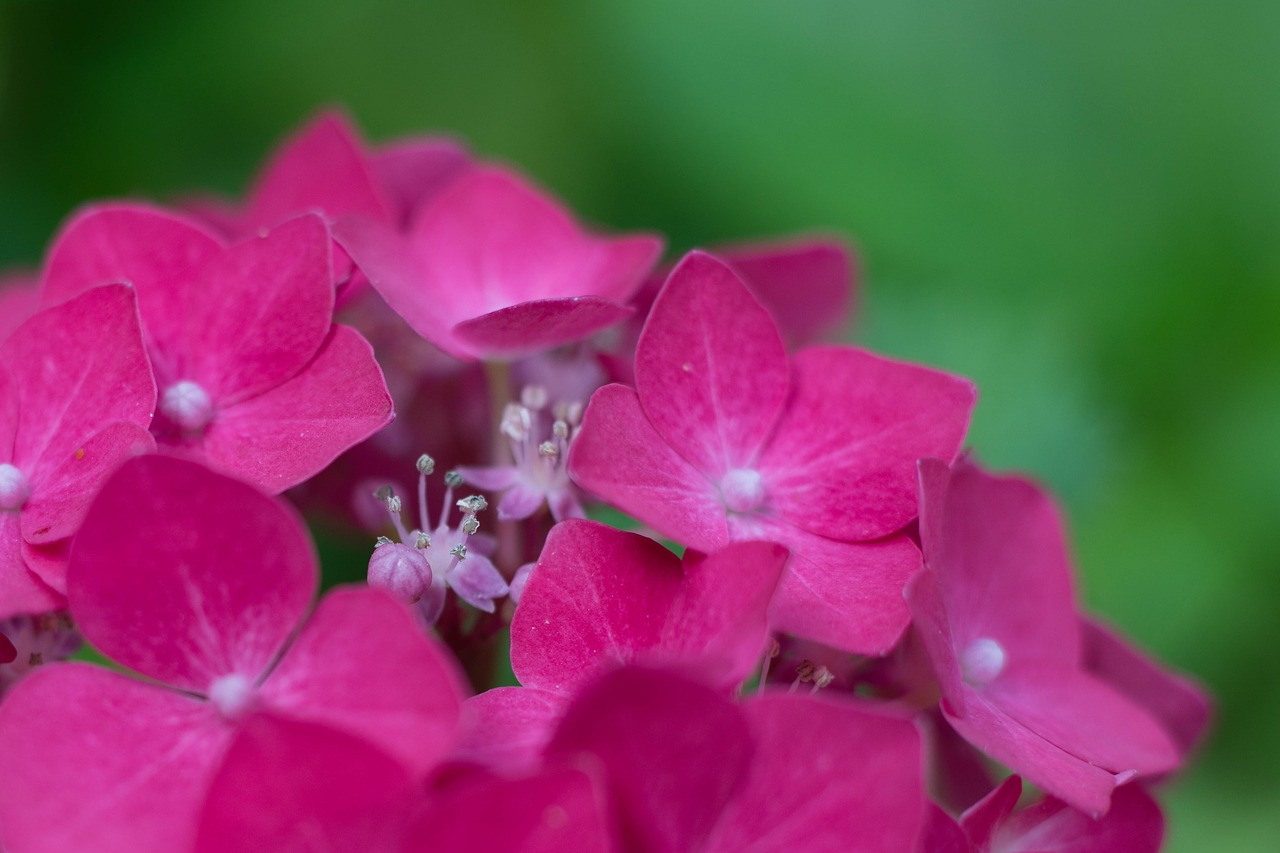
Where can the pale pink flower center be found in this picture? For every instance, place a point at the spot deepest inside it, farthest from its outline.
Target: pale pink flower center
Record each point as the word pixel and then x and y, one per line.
pixel 14 489
pixel 187 405
pixel 982 661
pixel 233 695
pixel 742 489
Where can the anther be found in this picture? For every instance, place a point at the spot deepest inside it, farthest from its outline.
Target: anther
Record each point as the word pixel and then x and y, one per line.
pixel 394 504
pixel 426 465
pixel 453 479
pixel 382 540
pixel 473 503
pixel 548 449
pixel 459 551
pixel 423 540
pixel 470 525
pixel 384 494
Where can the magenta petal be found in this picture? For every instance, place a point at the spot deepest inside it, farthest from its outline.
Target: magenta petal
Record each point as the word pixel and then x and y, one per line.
pixel 477 582
pixel 619 457
pixel 492 479
pixel 363 665
pixel 982 533
pixel 321 168
pixel 95 761
pixel 711 370
pixel 1181 706
pixel 58 502
pixel 556 811
pixel 826 776
pixel 219 573
pixel 291 785
pixel 158 252
pixel 941 833
pixel 844 594
pixel 77 367
pixel 598 597
pixel 675 753
pixel 981 820
pixel 842 463
pixel 537 325
pixel 256 315
pixel 413 171
pixel 806 285
pixel 289 433
pixel 520 502
pixel 21 591
pixel 1133 825
pixel 1083 716
pixel 19 299
pixel 508 727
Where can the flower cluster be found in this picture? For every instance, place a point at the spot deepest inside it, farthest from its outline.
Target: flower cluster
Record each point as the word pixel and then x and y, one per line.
pixel 825 626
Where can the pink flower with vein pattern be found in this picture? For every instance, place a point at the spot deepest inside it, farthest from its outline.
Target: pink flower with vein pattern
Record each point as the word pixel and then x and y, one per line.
pixel 220 577
pixel 76 397
pixel 254 377
pixel 493 268
pixel 996 611
pixel 725 438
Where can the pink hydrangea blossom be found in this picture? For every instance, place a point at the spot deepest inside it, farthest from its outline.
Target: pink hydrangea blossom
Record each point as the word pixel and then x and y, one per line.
pixel 223 577
pixel 253 375
pixel 996 611
pixel 494 269
pixel 725 438
pixel 76 397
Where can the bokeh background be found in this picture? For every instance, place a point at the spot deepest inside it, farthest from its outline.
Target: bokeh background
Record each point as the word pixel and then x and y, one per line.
pixel 1075 204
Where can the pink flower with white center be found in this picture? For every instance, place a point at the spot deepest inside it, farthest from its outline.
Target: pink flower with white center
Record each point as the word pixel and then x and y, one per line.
pixel 492 268
pixel 76 397
pixel 725 438
pixel 600 598
pixel 418 569
pixel 254 377
pixel 996 611
pixel 201 585
pixel 540 449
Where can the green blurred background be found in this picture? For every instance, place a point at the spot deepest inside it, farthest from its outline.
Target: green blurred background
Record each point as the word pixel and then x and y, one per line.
pixel 1076 204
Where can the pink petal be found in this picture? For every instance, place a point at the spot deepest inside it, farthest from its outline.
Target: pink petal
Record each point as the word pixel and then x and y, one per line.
pixel 806 285
pixel 477 582
pixel 989 728
pixel 520 502
pixel 413 171
pixel 598 598
pixel 257 313
pixel 711 370
pixel 1083 716
pixel 292 785
pixel 981 820
pixel 507 727
pixel 21 591
pixel 842 463
pixel 95 761
pixel 322 168
pixel 219 573
pixel 826 776
pixel 941 833
pixel 1181 706
pixel 999 553
pixel 292 431
pixel 1133 825
pixel 58 502
pixel 844 594
pixel 621 458
pixel 158 252
pixel 536 325
pixel 77 367
pixel 491 479
pixel 556 811
pixel 363 666
pixel 675 753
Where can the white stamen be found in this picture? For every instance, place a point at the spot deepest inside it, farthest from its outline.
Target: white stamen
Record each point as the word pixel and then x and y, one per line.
pixel 14 489
pixel 187 405
pixel 742 489
pixel 426 464
pixel 232 695
pixel 982 661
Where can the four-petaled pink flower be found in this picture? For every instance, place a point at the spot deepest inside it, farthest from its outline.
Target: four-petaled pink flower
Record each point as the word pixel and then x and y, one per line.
pixel 254 377
pixel 494 269
pixel 726 439
pixel 76 398
pixel 996 611
pixel 201 585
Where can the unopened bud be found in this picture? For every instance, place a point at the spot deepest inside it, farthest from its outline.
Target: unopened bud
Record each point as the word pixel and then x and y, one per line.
pixel 400 570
